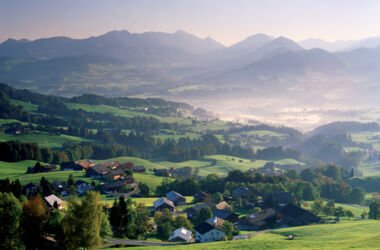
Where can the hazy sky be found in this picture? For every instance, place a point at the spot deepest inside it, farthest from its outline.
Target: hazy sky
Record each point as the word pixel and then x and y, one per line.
pixel 227 21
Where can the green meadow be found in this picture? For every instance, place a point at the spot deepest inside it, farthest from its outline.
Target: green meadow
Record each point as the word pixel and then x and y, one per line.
pixel 363 234
pixel 43 139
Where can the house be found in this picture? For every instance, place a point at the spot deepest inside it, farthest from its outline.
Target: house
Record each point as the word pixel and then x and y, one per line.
pixel 193 211
pixel 162 172
pixel 97 171
pixel 293 215
pixel 31 189
pixel 241 192
pixel 127 165
pixel 223 205
pixel 71 166
pixel 52 199
pixel 163 203
pixel 176 198
pixel 45 168
pixel 82 186
pixel 209 232
pixel 279 198
pixel 181 234
pixel 200 196
pixel 226 215
pixel 216 221
pixel 257 221
pixel 139 169
pixel 128 180
pixel 113 187
pixel 184 172
pixel 60 187
pixel 114 174
pixel 85 164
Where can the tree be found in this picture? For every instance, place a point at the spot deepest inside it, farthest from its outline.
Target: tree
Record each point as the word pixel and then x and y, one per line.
pixel 181 221
pixel 204 214
pixel 46 187
pixel 374 210
pixel 37 167
pixel 82 223
pixel 339 212
pixel 10 213
pixel 329 208
pixel 72 190
pixel 292 174
pixel 364 214
pixel 352 174
pixel 105 229
pixel 70 180
pixel 144 189
pixel 229 228
pixel 141 221
pixel 357 195
pixel 317 207
pixel 349 214
pixel 164 230
pixel 33 223
pixel 217 197
pixel 309 192
pixel 55 223
pixel 333 172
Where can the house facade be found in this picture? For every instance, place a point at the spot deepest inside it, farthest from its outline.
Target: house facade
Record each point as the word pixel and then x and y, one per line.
pixel 206 232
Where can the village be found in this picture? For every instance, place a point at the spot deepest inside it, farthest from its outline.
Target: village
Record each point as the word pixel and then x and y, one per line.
pixel 272 210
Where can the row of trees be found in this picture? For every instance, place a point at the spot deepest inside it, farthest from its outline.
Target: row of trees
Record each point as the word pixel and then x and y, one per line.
pixel 27 223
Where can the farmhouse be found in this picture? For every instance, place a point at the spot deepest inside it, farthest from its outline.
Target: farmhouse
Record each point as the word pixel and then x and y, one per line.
pixel 97 171
pixel 181 234
pixel 82 186
pixel 162 172
pixel 139 169
pixel 293 215
pixel 113 187
pixel 223 205
pixel 31 189
pixel 209 232
pixel 52 199
pixel 176 198
pixel 71 166
pixel 200 196
pixel 226 215
pixel 163 203
pixel 257 221
pixel 60 187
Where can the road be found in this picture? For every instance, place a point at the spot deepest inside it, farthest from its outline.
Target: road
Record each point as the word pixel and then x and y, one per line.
pixel 140 242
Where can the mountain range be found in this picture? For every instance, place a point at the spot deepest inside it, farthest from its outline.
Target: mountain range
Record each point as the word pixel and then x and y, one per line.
pixel 180 66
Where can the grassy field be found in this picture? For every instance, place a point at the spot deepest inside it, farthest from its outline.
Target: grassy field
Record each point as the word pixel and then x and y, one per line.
pixel 355 234
pixel 367 137
pixel 30 107
pixel 125 112
pixel 13 170
pixel 42 139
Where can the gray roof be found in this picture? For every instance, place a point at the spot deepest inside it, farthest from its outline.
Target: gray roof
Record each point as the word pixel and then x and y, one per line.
pixel 161 201
pixel 172 195
pixel 182 233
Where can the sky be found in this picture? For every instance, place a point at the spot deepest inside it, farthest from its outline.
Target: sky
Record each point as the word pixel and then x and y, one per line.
pixel 227 21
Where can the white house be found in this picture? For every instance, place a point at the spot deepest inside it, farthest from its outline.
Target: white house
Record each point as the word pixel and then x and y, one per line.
pixel 208 232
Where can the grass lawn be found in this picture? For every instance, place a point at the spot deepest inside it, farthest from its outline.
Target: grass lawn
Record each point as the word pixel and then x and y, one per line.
pixel 42 139
pixel 125 112
pixel 355 234
pixel 13 170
